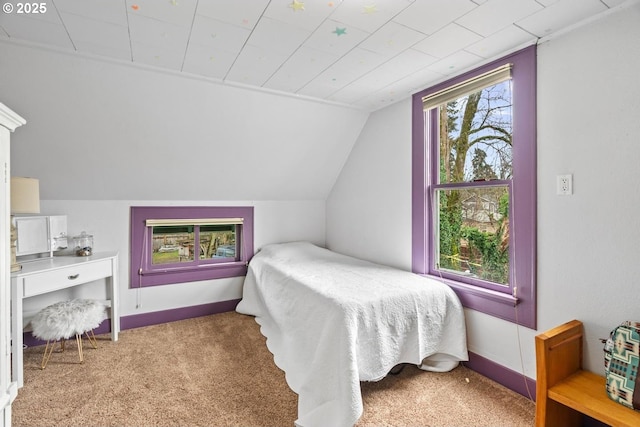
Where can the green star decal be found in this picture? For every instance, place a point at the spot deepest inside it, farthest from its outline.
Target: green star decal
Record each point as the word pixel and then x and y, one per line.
pixel 340 31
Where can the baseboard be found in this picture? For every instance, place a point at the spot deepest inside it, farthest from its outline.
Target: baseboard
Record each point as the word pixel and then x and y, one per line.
pixel 153 318
pixel 513 380
pixel 157 317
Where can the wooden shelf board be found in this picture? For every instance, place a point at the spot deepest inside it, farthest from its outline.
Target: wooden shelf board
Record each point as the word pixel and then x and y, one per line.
pixel 586 393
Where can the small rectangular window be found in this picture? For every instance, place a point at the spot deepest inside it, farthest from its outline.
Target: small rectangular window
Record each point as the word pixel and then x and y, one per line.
pixel 183 244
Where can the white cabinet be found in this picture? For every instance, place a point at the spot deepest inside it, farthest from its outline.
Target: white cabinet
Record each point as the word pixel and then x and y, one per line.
pixel 9 121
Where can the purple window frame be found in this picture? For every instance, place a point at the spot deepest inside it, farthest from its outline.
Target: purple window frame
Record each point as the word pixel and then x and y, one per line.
pixel 518 307
pixel 163 276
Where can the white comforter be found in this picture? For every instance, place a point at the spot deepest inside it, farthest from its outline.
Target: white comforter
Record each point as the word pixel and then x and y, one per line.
pixel 332 321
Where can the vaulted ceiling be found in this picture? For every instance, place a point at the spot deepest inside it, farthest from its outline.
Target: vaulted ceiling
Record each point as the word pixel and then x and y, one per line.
pixel 365 53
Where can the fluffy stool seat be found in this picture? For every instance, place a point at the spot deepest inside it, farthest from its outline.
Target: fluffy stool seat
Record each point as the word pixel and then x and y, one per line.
pixel 65 319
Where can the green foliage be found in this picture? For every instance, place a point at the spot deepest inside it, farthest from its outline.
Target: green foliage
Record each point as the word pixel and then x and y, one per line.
pixel 450 233
pixel 494 265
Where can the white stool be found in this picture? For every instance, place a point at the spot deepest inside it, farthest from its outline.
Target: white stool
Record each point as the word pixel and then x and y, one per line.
pixel 65 319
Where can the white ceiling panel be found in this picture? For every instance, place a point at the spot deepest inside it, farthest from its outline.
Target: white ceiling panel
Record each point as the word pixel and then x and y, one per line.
pixel 88 31
pixel 418 81
pixel 24 27
pixel 156 33
pixel 156 56
pixel 364 53
pixel 428 16
pixel 254 66
pixel 367 15
pixel 397 68
pixel 104 51
pixel 385 76
pixel 613 3
pixel 335 37
pixel 412 83
pixel 327 83
pixel 302 14
pixel 447 41
pixel 218 35
pixel 205 61
pixel 301 67
pixel 357 62
pixel 454 64
pixel 559 15
pixel 280 37
pixel 391 39
pixel 111 11
pixel 495 15
pixel 502 41
pixel 176 12
pixel 244 13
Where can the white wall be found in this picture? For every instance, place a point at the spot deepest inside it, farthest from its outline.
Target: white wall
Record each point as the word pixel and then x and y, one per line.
pixel 588 125
pixel 102 136
pixel 369 208
pixel 101 130
pixel 108 222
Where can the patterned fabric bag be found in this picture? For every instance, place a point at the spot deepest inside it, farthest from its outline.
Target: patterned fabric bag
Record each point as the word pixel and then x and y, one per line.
pixel 621 355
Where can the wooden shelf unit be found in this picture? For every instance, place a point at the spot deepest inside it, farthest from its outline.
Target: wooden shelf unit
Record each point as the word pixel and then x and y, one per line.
pixel 564 391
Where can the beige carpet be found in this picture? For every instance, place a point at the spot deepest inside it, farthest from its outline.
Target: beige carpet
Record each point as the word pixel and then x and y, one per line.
pixel 216 371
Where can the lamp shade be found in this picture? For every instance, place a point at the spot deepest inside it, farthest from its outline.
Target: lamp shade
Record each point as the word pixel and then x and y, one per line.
pixel 25 195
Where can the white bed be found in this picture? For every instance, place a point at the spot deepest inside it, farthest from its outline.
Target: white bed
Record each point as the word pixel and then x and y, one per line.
pixel 332 321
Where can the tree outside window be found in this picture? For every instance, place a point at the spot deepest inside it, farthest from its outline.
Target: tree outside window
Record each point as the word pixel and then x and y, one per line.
pixel 473 220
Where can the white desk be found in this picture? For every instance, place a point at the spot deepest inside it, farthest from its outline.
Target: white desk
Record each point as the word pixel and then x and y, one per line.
pixel 51 274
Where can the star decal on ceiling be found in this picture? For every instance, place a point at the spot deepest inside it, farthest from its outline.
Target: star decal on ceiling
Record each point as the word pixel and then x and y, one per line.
pixel 370 10
pixel 297 5
pixel 339 31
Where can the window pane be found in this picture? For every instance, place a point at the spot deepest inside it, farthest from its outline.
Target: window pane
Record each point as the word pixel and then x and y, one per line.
pixel 473 232
pixel 218 241
pixel 172 244
pixel 475 136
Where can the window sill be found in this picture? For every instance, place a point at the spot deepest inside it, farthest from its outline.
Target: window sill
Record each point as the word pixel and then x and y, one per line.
pixel 192 274
pixel 502 305
pixel 188 269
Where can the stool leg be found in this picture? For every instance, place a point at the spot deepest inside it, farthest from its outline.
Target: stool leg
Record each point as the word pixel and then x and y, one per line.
pixel 47 353
pixel 79 342
pixel 92 338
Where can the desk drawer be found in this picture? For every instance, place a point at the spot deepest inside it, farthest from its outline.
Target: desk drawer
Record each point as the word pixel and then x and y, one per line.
pixel 65 277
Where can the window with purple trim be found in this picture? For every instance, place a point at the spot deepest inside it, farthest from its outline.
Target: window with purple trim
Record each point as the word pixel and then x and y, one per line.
pixel 176 244
pixel 474 186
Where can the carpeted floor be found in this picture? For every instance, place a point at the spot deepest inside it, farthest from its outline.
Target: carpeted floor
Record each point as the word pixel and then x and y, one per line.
pixel 216 371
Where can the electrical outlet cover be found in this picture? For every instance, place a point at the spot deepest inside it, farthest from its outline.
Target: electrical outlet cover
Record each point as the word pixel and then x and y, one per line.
pixel 564 185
